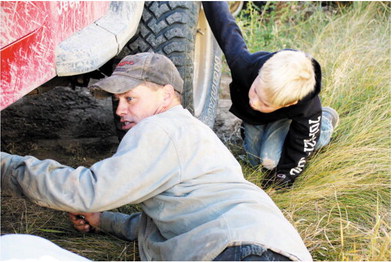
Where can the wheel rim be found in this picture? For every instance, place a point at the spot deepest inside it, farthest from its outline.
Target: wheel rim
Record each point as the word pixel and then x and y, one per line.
pixel 203 60
pixel 235 7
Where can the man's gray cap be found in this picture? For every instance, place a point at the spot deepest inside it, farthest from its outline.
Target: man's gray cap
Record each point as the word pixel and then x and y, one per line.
pixel 134 70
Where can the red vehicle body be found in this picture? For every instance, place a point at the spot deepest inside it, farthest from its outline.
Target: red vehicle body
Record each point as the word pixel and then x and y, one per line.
pixel 44 39
pixel 31 32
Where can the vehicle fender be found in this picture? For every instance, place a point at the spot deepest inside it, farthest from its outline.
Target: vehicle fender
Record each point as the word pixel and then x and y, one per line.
pixel 90 48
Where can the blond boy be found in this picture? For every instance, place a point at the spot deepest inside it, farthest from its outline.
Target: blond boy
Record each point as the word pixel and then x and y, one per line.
pixel 276 94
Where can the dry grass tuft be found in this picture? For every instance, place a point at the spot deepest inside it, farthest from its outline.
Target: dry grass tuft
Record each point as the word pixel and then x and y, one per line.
pixel 341 203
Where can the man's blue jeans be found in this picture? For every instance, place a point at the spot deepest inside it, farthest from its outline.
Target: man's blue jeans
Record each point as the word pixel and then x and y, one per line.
pixel 263 143
pixel 249 253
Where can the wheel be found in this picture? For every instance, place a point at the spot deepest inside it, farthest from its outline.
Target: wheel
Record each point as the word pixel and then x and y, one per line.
pixel 180 31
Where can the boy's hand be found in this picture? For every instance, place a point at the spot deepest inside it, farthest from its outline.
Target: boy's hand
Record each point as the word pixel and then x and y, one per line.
pixel 85 222
pixel 277 181
pixel 283 181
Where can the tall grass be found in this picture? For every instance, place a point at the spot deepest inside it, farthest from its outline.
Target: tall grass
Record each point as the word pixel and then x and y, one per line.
pixel 341 203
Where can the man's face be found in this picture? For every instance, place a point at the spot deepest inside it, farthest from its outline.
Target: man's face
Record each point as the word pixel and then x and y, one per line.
pixel 258 98
pixel 137 104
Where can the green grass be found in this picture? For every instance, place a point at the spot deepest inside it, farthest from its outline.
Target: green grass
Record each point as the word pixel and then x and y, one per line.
pixel 341 203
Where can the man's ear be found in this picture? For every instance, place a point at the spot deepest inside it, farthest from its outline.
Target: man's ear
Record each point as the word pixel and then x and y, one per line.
pixel 168 92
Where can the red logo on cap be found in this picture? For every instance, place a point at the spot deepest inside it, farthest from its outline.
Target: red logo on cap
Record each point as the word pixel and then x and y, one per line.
pixel 126 63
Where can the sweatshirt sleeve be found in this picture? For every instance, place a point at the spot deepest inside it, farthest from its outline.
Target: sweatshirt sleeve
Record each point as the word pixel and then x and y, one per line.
pixel 145 164
pixel 300 143
pixel 226 31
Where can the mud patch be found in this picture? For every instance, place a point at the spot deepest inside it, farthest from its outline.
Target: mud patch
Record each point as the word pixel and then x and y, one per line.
pixel 62 123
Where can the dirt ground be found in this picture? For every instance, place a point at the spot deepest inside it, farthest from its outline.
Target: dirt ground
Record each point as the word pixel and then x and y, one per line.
pixel 75 129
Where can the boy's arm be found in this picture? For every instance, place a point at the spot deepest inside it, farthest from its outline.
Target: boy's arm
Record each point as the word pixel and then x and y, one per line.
pixel 226 31
pixel 299 145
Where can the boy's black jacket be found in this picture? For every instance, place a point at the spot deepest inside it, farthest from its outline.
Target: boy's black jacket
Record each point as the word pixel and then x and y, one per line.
pixel 305 115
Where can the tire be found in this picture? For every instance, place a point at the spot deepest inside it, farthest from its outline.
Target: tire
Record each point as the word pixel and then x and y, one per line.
pixel 179 30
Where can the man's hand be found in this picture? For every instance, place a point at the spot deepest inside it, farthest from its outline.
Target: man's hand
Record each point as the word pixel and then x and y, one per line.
pixel 85 222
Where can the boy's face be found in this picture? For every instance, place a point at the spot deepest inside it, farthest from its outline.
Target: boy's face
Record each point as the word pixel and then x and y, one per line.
pixel 258 99
pixel 139 103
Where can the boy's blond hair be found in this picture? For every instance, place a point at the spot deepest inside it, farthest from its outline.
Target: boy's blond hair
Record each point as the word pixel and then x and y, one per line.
pixel 288 76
